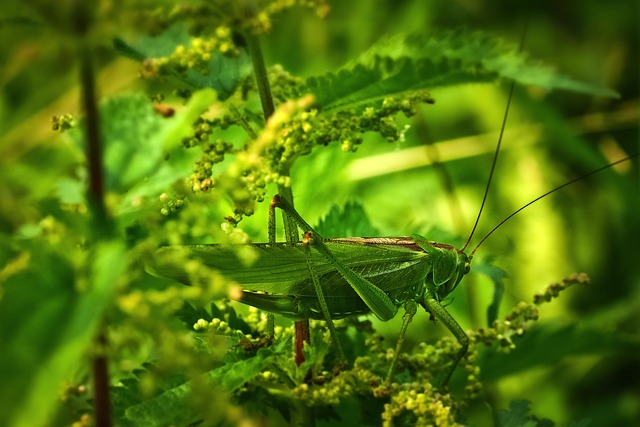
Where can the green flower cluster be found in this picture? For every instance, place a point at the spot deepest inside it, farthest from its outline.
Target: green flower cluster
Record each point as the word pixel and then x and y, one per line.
pixel 170 205
pixel 553 290
pixel 294 130
pixel 63 123
pixel 515 323
pixel 428 407
pixel 196 55
pixel 215 24
pixel 283 84
pixel 218 326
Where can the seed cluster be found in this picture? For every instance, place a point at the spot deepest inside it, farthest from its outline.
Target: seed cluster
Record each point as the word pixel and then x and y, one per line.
pixel 213 23
pixel 294 130
pixel 63 123
pixel 170 205
pixel 194 56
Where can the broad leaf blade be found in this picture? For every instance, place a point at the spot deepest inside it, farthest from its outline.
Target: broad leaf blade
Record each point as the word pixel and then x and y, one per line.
pixel 400 64
pixel 175 406
pixel 349 221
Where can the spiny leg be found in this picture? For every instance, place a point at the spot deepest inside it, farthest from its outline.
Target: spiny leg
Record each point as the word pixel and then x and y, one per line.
pixel 271 229
pixel 410 309
pixel 321 299
pixel 438 311
pixel 378 301
pixel 374 297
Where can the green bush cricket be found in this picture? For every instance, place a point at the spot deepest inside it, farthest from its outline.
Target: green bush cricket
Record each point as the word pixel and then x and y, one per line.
pixel 329 279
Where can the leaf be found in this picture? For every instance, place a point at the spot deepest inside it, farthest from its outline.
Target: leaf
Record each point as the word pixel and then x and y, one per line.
pixel 170 160
pixel 224 73
pixel 46 327
pixel 174 405
pixel 143 155
pixel 518 416
pixel 129 129
pixel 497 276
pixel 400 64
pixel 350 221
pixel 546 344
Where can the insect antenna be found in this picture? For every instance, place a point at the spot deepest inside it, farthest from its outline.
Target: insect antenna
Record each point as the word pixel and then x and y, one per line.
pixel 498 146
pixel 593 172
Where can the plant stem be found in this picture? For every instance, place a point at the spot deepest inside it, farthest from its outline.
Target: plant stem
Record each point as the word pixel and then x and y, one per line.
pixel 260 70
pixel 291 231
pixel 94 144
pixel 101 225
pixel 268 108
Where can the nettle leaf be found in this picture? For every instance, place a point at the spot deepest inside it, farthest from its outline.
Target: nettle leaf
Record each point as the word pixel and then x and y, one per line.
pixel 223 74
pixel 166 160
pixel 518 416
pixel 175 405
pixel 129 125
pixel 349 221
pixel 415 62
pixel 143 153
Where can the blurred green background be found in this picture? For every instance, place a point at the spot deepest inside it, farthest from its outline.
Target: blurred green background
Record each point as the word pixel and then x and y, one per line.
pixel 591 226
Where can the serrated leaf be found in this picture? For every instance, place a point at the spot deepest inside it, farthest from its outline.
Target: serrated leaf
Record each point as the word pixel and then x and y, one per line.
pixel 400 64
pixel 349 221
pixel 173 406
pixel 129 129
pixel 518 416
pixel 143 152
pixel 166 143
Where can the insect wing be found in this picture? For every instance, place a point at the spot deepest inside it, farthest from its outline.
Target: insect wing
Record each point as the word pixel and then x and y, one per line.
pixel 281 268
pixel 270 267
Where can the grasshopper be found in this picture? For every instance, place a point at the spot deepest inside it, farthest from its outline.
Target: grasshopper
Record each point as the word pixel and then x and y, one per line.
pixel 327 279
pixel 330 279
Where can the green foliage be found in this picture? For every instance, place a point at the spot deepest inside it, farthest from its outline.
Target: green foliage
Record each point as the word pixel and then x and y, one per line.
pixel 188 155
pixel 216 71
pixel 401 64
pixel 350 221
pixel 518 416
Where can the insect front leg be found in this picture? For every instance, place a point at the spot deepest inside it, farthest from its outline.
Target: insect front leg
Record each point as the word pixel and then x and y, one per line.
pixel 439 312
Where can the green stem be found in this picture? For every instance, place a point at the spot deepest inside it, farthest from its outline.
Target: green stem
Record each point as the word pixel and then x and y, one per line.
pixel 290 228
pixel 260 70
pixel 101 223
pixel 268 108
pixel 94 143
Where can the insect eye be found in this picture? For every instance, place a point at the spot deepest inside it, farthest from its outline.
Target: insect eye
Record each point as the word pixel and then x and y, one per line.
pixel 467 268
